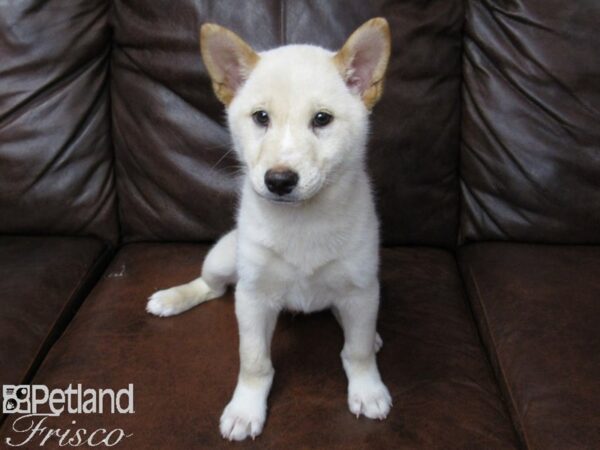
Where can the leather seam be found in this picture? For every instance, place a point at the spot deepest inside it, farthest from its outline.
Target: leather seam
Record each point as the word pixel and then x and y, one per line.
pixel 459 160
pixel 111 115
pixel 76 298
pixel 282 23
pixel 77 293
pixel 493 353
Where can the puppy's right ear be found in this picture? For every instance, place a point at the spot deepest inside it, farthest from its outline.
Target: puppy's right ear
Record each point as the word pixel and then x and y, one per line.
pixel 228 59
pixel 363 59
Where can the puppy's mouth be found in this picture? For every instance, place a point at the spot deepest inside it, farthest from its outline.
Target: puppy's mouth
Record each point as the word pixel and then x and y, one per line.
pixel 280 199
pixel 294 198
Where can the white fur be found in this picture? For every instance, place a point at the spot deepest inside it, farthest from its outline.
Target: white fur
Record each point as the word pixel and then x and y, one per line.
pixel 318 251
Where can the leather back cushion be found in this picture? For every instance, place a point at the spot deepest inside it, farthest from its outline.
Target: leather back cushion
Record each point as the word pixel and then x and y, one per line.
pixel 531 132
pixel 56 172
pixel 175 174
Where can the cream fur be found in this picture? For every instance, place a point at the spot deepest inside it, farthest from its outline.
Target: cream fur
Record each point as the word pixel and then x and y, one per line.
pixel 317 250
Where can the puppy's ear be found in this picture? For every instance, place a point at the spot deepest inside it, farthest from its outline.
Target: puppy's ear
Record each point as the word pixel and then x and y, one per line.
pixel 228 59
pixel 363 59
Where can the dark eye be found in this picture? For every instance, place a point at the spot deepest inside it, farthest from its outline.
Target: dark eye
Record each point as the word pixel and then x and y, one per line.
pixel 321 119
pixel 261 118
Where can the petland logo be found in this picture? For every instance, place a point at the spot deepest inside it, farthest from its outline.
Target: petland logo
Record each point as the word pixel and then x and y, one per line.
pixel 39 405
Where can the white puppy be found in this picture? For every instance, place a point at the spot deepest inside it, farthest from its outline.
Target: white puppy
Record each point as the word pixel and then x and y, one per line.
pixel 307 232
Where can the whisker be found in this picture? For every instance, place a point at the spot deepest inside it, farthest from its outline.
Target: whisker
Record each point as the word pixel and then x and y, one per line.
pixel 221 159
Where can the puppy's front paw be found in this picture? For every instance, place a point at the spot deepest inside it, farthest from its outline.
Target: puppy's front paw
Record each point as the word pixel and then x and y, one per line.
pixel 241 419
pixel 370 398
pixel 166 303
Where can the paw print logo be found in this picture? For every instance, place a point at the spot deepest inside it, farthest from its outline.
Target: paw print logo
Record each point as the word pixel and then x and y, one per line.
pixel 16 399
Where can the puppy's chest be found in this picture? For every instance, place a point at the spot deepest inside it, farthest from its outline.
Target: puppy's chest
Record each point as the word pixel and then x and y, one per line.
pixel 306 269
pixel 314 292
pixel 307 288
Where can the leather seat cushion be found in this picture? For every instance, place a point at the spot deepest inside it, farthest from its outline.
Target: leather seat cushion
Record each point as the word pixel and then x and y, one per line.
pixel 539 308
pixel 41 281
pixel 184 368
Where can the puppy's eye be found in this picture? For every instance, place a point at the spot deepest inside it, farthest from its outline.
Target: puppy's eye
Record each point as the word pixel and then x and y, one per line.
pixel 261 118
pixel 321 119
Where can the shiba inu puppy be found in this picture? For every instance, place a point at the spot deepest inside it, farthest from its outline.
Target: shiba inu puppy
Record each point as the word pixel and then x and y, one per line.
pixel 307 233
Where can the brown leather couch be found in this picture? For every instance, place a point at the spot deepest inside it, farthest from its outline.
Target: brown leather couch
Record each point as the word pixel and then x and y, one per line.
pixel 485 154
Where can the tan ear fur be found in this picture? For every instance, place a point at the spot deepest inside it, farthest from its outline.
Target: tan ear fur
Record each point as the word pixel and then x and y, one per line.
pixel 228 59
pixel 376 28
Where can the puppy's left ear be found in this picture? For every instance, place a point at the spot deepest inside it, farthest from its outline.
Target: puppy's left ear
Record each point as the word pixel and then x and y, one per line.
pixel 363 59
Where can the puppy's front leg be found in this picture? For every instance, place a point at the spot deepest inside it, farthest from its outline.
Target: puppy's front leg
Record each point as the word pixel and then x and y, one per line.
pixel 367 394
pixel 246 412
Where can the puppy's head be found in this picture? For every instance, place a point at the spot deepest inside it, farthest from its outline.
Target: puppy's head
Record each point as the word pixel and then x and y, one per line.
pixel 297 114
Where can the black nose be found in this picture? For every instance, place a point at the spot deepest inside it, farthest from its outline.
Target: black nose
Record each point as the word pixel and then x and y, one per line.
pixel 281 182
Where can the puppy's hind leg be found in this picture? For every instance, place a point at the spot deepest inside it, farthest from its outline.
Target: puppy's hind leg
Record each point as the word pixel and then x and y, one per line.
pixel 218 271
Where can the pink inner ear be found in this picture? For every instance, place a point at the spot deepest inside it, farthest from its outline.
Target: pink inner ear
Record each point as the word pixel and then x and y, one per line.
pixel 225 56
pixel 368 51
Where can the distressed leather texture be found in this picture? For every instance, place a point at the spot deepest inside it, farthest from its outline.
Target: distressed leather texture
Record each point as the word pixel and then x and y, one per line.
pixel 485 158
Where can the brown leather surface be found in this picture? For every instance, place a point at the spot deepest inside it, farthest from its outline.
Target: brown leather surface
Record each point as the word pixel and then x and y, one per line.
pixel 530 162
pixel 41 279
pixel 184 368
pixel 55 148
pixel 176 179
pixel 539 310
